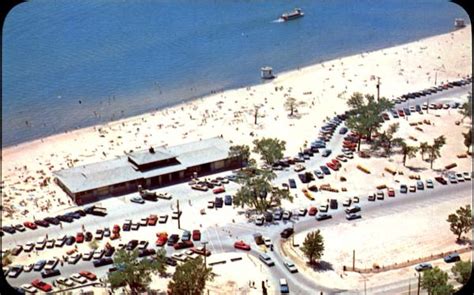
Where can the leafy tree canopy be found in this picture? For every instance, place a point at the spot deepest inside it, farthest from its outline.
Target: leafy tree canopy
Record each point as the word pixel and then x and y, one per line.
pixel 461 221
pixel 313 246
pixel 270 149
pixel 190 277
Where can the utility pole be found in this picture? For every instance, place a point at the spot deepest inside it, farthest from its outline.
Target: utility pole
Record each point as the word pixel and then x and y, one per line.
pixel 409 287
pixel 353 259
pixel 205 243
pixel 419 278
pixel 179 215
pixel 293 235
pixel 378 88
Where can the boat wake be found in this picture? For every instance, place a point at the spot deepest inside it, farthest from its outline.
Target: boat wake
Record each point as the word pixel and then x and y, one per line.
pixel 279 20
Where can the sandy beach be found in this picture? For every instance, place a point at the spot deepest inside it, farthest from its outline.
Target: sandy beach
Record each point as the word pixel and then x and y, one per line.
pixel 28 189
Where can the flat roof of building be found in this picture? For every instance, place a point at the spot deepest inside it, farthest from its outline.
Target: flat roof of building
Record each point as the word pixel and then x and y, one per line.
pixel 102 174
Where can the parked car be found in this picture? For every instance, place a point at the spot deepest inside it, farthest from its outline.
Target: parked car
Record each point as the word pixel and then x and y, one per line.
pixel 326 153
pixel 403 188
pixel 103 261
pixel 45 287
pixel 452 258
pixel 196 235
pixel 286 215
pixel 302 212
pixel 412 188
pixel 65 282
pixel 380 195
pixel 173 239
pixel 137 199
pixel 441 180
pixel 312 211
pixel 423 266
pixel 318 174
pixel 241 245
pixel 286 233
pixel 186 236
pixel 325 170
pixel 292 183
pixel 28 288
pixel 353 216
pixel 50 273
pixel 15 271
pixel 132 244
pixel 323 216
pixel 420 185
pixel 260 220
pixel 228 200
pixel 391 192
pixel 30 225
pixel 353 209
pixel 51 264
pixel 78 278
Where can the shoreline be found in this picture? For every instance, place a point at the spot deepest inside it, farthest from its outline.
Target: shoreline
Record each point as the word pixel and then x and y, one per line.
pixel 324 87
pixel 279 77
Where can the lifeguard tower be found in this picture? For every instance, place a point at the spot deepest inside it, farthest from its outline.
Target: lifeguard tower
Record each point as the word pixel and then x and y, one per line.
pixel 267 73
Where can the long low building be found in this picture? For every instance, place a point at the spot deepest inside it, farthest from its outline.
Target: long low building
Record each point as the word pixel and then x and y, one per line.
pixel 152 168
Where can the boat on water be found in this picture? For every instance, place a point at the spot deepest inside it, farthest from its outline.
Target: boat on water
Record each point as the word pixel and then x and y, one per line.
pixel 296 13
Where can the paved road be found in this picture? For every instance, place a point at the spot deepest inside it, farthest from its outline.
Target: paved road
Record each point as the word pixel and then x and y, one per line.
pixel 218 237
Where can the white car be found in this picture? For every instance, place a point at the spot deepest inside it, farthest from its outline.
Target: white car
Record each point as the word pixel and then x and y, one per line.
pixel 191 254
pixel 179 256
pixel 78 278
pixel 318 174
pixel 143 222
pixel 65 282
pixel 341 158
pixel 51 264
pixel 349 155
pixel 291 267
pixel 460 177
pixel 28 267
pixel 323 208
pixel 286 215
pixel 267 241
pixel 260 220
pixel 347 202
pixel 299 167
pixel 429 183
pixel 467 176
pixel 40 244
pixel 28 288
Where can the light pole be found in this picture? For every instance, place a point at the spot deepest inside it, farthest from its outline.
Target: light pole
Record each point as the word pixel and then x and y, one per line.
pixel 419 279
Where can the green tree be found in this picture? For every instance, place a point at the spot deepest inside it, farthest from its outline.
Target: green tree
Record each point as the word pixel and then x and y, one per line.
pixel 408 151
pixel 462 271
pixel 190 278
pixel 291 105
pixel 270 149
pixel 435 282
pixel 135 273
pixel 434 150
pixel 466 108
pixel 6 260
pixel 468 139
pixel 387 139
pixel 257 191
pixel 313 246
pixel 242 152
pixel 461 221
pixel 424 146
pixel 365 114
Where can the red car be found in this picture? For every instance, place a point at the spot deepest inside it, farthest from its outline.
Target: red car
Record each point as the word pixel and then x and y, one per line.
pixel 391 192
pixel 196 235
pixel 312 211
pixel 218 190
pixel 88 275
pixel 152 219
pixel 336 162
pixel 79 237
pixel 332 166
pixel 45 287
pixel 162 239
pixel 385 116
pixel 401 113
pixel 115 236
pixel 116 228
pixel 183 245
pixel 241 245
pixel 200 250
pixel 30 225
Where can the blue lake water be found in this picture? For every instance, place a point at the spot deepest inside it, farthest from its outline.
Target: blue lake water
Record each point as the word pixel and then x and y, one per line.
pixel 71 63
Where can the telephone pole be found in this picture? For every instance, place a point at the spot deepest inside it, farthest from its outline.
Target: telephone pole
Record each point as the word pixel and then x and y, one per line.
pixel 378 88
pixel 179 215
pixel 205 253
pixel 419 278
pixel 353 259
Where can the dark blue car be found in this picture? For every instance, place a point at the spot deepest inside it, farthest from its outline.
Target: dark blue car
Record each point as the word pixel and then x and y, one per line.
pixel 292 183
pixel 228 200
pixel 325 170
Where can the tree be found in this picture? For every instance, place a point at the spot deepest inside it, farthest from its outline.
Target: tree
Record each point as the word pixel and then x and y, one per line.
pixel 461 221
pixel 135 273
pixel 468 139
pixel 407 151
pixel 291 104
pixel 6 260
pixel 462 271
pixel 466 108
pixel 435 281
pixel 424 146
pixel 190 277
pixel 257 191
pixel 387 139
pixel 434 150
pixel 270 149
pixel 313 246
pixel 365 114
pixel 242 152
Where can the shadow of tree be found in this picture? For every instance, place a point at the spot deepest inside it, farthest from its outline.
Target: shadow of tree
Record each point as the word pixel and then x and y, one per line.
pixel 320 266
pixel 416 169
pixel 464 241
